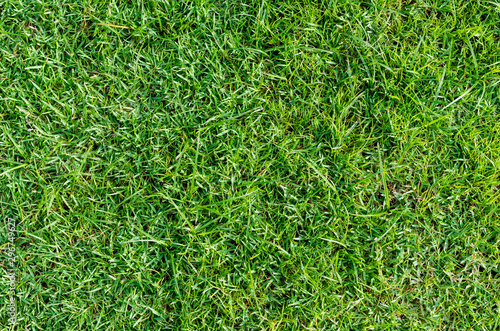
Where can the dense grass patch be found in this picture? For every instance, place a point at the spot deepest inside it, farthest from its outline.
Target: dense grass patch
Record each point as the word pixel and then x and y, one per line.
pixel 251 165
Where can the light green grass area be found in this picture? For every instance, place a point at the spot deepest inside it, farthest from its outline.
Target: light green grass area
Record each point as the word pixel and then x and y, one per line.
pixel 251 165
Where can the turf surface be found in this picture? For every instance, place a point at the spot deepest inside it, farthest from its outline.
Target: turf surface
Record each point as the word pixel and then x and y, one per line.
pixel 251 165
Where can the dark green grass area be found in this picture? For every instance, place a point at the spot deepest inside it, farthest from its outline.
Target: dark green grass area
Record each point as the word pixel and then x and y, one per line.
pixel 251 165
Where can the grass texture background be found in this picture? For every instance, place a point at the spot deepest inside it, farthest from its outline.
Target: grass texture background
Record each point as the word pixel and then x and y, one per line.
pixel 251 165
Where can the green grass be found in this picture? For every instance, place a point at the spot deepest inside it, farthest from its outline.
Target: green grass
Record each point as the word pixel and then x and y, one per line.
pixel 251 165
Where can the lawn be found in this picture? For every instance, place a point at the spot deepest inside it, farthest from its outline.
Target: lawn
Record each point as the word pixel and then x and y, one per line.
pixel 250 165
